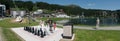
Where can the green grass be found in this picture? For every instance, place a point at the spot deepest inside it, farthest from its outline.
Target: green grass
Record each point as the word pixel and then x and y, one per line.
pixel 8 34
pixel 96 35
pixel 7 24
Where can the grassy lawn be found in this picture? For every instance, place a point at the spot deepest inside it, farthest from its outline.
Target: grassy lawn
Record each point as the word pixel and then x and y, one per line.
pixel 96 35
pixel 81 35
pixel 7 33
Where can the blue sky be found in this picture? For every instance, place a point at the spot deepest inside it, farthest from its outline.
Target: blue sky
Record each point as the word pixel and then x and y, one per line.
pixel 88 4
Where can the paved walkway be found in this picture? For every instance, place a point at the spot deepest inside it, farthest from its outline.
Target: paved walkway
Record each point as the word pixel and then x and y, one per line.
pixel 100 28
pixel 92 28
pixel 1 39
pixel 1 19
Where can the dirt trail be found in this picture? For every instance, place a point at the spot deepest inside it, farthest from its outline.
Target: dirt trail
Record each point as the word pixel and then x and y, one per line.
pixel 1 37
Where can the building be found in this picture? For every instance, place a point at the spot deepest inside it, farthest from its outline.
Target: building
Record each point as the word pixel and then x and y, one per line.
pixel 62 16
pixel 40 11
pixel 37 13
pixel 15 13
pixel 2 10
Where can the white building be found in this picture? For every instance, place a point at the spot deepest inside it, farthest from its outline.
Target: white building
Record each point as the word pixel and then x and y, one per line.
pixel 2 10
pixel 18 13
pixel 38 11
pixel 62 16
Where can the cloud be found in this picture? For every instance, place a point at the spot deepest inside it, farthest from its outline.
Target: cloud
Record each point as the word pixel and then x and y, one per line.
pixel 91 4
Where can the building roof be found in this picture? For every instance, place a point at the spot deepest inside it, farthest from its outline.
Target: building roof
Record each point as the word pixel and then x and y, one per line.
pixel 2 5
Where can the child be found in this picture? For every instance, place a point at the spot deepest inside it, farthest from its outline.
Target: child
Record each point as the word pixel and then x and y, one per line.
pixel 54 25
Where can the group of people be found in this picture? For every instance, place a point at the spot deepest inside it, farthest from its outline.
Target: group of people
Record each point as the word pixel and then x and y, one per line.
pixel 52 25
pixel 44 28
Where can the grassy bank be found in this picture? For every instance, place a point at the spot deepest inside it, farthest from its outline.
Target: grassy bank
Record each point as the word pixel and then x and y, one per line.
pixel 96 35
pixel 7 32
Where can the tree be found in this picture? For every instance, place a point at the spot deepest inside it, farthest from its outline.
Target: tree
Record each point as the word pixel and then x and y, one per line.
pixel 68 9
pixel 28 5
pixel 35 8
pixel 42 5
pixel 8 3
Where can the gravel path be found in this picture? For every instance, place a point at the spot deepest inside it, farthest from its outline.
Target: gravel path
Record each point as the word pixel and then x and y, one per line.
pixel 0 19
pixel 1 39
pixel 100 28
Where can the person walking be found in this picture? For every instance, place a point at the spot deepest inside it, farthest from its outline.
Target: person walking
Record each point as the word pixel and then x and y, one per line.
pixel 97 23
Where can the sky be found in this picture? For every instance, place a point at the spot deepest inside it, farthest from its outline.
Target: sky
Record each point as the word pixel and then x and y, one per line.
pixel 87 4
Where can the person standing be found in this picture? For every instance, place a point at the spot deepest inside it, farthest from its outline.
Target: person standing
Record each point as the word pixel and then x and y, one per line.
pixel 50 23
pixel 54 25
pixel 97 23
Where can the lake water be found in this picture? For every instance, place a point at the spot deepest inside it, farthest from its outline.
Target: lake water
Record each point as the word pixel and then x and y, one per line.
pixel 92 21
